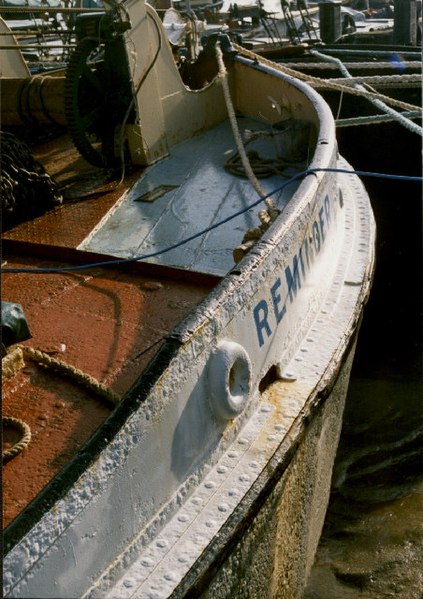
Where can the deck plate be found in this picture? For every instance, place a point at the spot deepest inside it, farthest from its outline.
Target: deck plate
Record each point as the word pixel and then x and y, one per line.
pixel 193 200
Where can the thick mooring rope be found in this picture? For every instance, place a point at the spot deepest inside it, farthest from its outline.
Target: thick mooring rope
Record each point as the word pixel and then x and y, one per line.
pixel 24 441
pixel 323 83
pixel 74 373
pixel 376 119
pixel 396 81
pixel 324 66
pixel 266 216
pixel 68 370
pixel 271 206
pixel 413 127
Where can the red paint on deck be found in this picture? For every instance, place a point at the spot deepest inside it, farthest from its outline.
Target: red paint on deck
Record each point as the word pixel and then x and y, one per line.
pixel 61 416
pixel 88 193
pixel 108 323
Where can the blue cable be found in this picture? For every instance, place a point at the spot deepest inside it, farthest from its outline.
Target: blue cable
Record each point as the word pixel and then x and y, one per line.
pixel 211 227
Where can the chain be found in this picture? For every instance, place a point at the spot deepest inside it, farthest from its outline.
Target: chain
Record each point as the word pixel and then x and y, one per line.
pixel 26 188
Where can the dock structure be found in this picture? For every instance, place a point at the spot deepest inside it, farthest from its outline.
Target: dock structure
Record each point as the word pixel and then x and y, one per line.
pixel 406 22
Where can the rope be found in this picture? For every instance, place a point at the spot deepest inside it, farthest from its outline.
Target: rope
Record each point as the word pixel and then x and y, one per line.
pixel 273 211
pixel 413 127
pixel 74 373
pixel 262 167
pixel 323 83
pixel 373 53
pixel 24 441
pixel 372 120
pixel 409 64
pixel 396 81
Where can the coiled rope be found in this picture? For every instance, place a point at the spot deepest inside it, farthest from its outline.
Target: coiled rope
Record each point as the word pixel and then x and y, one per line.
pixel 266 216
pixel 262 167
pixel 68 370
pixel 23 442
pixel 223 74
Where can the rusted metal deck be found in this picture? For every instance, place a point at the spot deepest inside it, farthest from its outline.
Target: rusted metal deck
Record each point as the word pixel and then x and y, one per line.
pixel 106 322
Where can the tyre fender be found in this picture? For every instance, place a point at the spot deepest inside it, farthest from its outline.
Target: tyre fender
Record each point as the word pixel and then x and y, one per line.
pixel 229 375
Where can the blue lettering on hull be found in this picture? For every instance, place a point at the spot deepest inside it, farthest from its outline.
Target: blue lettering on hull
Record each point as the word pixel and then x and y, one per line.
pixel 269 313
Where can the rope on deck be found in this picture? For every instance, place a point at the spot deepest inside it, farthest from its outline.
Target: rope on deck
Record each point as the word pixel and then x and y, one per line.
pixel 266 216
pixel 237 135
pixel 72 372
pixel 24 441
pixel 67 369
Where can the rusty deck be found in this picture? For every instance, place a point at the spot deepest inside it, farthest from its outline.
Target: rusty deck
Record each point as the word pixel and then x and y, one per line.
pixel 106 322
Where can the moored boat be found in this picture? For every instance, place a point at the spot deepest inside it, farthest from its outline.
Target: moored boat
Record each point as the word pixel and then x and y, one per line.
pixel 212 303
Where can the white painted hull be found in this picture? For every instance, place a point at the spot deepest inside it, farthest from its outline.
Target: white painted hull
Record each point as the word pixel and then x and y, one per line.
pixel 204 484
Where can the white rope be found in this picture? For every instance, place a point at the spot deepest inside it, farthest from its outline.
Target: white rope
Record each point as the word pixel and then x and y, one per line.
pixel 409 64
pixel 372 120
pixel 223 74
pixel 314 81
pixel 413 127
pixel 388 81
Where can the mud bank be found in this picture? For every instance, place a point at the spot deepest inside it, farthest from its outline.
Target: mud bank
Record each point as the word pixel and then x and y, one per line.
pixel 372 542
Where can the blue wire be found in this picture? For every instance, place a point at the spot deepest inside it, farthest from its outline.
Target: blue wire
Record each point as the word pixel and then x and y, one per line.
pixel 211 227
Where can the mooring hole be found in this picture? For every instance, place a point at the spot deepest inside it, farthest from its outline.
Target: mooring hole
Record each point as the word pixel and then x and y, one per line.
pixel 270 377
pixel 239 377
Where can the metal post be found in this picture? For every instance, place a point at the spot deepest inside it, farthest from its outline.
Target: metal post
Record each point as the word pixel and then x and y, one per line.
pixel 330 21
pixel 405 22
